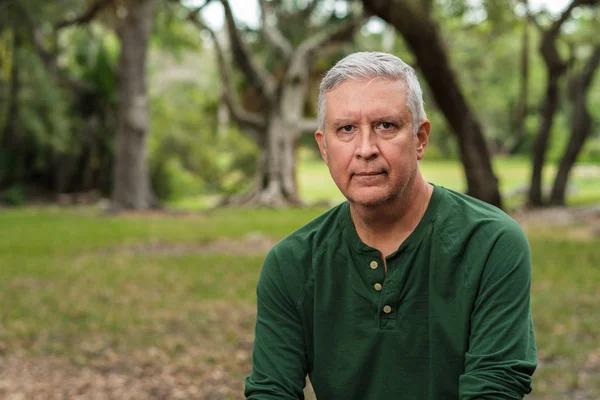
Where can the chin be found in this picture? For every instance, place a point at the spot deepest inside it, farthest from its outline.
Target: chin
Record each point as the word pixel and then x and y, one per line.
pixel 368 199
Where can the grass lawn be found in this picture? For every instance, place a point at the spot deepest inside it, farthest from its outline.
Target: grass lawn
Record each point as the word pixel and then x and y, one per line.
pixel 159 306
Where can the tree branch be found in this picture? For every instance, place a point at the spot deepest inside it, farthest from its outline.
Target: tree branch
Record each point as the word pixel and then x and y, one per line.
pixel 310 8
pixel 48 58
pixel 254 122
pixel 272 34
pixel 258 76
pixel 197 9
pixel 343 31
pixel 86 17
pixel 535 22
pixel 567 13
pixel 38 43
pixel 590 67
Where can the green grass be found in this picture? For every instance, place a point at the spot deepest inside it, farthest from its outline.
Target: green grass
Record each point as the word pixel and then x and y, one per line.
pixel 80 285
pixel 566 308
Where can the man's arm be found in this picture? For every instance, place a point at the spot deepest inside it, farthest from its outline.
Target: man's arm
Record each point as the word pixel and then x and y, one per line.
pixel 279 362
pixel 502 354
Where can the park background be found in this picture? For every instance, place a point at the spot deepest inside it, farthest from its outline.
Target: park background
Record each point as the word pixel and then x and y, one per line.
pixel 152 151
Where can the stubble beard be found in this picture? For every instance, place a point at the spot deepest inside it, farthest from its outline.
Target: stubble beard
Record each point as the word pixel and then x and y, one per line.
pixel 399 193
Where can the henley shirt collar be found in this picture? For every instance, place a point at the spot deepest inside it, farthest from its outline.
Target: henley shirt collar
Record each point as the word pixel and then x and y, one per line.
pixel 413 239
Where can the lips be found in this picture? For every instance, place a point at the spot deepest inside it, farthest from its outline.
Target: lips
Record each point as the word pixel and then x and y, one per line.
pixel 370 173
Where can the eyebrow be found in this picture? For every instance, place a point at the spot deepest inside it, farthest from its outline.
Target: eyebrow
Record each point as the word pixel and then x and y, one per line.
pixel 397 119
pixel 342 122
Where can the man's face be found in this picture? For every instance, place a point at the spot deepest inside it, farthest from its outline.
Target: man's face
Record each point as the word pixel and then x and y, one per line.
pixel 369 142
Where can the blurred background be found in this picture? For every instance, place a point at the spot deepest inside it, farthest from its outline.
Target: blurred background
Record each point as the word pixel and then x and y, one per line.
pixel 152 151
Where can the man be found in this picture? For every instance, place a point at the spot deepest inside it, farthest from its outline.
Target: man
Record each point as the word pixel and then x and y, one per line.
pixel 406 291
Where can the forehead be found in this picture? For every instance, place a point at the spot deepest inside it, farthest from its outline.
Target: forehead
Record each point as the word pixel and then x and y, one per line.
pixel 366 97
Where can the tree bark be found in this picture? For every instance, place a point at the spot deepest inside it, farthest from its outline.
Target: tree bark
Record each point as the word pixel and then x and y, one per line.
pixel 131 177
pixel 422 36
pixel 581 127
pixel 276 183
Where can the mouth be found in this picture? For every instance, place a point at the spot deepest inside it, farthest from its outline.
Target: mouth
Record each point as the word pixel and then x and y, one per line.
pixel 369 173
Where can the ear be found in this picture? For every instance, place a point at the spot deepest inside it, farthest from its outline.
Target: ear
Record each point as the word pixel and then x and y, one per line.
pixel 422 138
pixel 320 138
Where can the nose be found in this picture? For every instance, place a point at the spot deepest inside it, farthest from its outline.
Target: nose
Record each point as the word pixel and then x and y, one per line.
pixel 366 146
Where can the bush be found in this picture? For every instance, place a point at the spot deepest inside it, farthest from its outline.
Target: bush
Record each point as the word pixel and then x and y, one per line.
pixel 171 181
pixel 13 196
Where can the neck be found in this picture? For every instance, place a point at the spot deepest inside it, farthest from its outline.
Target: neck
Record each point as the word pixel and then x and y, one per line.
pixel 386 226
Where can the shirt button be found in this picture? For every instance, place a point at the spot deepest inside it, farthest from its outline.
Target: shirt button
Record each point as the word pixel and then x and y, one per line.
pixel 387 309
pixel 378 286
pixel 373 265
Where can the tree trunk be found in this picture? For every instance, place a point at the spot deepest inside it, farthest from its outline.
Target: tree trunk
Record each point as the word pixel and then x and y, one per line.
pixel 131 177
pixel 580 131
pixel 275 179
pixel 541 140
pixel 423 38
pixel 521 111
pixel 581 127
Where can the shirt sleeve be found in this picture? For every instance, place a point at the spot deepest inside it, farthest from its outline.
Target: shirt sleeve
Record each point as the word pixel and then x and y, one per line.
pixel 502 354
pixel 279 361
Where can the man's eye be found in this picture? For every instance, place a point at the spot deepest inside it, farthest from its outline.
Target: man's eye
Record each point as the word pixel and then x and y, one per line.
pixel 347 128
pixel 386 125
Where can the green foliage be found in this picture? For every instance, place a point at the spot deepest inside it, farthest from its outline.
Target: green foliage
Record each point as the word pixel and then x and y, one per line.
pixel 171 33
pixel 187 155
pixel 239 161
pixel 45 114
pixel 91 55
pixel 171 180
pixel 13 196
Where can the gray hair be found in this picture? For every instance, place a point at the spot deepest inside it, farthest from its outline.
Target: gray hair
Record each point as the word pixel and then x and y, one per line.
pixel 369 65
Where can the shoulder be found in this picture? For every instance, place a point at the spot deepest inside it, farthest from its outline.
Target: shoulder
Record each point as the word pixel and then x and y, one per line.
pixel 479 233
pixel 463 217
pixel 313 235
pixel 290 261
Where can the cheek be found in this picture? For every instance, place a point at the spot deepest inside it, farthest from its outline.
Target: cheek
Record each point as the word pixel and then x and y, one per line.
pixel 338 166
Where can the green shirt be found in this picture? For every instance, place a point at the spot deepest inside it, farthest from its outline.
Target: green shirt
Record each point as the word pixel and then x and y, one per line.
pixel 451 319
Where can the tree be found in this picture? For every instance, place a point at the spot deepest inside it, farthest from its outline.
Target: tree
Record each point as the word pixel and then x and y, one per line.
pixel 131 176
pixel 581 125
pixel 422 35
pixel 57 136
pixel 556 68
pixel 522 101
pixel 282 96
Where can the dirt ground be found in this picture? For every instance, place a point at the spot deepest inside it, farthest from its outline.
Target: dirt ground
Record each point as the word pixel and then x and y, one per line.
pixel 208 366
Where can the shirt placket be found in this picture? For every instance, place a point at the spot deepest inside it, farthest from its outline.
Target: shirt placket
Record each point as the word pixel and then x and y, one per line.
pixel 386 310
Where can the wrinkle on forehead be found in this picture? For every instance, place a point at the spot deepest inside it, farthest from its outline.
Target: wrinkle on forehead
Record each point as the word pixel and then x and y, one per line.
pixel 384 78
